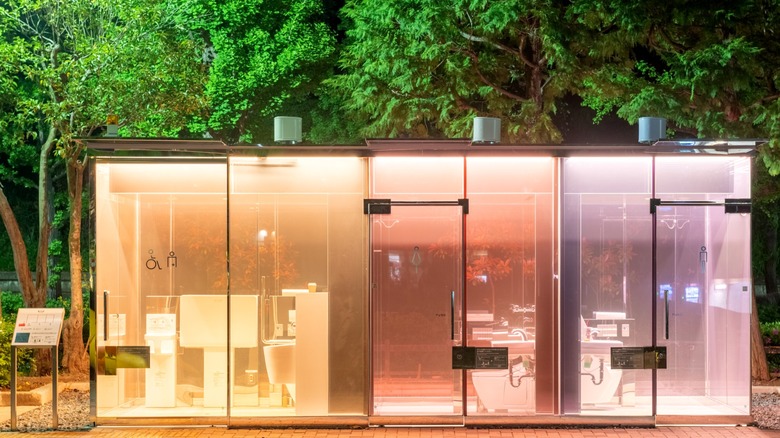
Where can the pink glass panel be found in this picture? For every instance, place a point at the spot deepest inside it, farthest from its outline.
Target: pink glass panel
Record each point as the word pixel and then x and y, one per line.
pixel 704 288
pixel 607 271
pixel 417 178
pixel 416 273
pixel 510 290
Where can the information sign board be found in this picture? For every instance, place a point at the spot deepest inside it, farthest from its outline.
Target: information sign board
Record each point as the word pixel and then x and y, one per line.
pixel 38 327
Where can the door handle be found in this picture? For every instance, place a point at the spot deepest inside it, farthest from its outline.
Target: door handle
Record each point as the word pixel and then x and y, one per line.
pixel 105 315
pixel 666 314
pixel 452 315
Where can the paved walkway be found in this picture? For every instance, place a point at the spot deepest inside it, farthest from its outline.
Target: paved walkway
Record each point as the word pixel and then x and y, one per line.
pixel 405 432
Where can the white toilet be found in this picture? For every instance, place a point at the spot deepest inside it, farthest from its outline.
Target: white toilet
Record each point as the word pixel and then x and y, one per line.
pixel 280 364
pixel 598 381
pixel 497 390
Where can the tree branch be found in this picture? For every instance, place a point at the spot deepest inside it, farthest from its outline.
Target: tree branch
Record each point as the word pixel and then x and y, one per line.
pixel 488 82
pixel 495 44
pixel 525 60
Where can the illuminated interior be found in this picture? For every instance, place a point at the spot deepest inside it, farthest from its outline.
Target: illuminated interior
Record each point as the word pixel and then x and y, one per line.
pixel 239 288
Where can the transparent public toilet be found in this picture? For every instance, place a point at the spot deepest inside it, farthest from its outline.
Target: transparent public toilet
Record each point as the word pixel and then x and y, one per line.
pixel 419 282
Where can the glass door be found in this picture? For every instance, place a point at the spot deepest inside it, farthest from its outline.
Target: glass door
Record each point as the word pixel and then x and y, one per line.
pixel 416 293
pixel 703 309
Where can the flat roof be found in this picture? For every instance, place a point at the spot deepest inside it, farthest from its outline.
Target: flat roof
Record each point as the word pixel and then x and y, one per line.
pixel 375 147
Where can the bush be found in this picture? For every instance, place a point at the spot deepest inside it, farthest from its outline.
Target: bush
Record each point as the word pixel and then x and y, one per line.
pixel 770 331
pixel 768 310
pixel 24 356
pixel 12 302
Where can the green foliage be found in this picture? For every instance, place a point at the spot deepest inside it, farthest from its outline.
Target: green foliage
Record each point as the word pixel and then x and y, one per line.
pixel 708 67
pixel 426 68
pixel 768 312
pixel 24 356
pixel 770 331
pixel 12 302
pixel 261 55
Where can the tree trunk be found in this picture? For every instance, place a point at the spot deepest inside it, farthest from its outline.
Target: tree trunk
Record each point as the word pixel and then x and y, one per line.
pixel 74 357
pixel 758 365
pixel 18 247
pixel 44 225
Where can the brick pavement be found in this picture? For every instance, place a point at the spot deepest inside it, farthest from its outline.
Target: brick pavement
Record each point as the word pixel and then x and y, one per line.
pixel 406 432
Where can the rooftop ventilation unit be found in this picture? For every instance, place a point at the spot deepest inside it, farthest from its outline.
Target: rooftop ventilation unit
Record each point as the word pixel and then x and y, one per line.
pixel 287 130
pixel 651 129
pixel 487 130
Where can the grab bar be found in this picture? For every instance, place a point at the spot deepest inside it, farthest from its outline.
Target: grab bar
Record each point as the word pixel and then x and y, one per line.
pixel 452 315
pixel 666 314
pixel 105 315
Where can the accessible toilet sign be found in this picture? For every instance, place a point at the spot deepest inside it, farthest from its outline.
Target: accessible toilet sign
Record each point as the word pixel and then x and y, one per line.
pixel 38 327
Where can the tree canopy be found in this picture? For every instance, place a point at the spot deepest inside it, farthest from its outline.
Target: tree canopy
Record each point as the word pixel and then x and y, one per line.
pixel 710 68
pixel 422 68
pixel 66 66
pixel 426 68
pixel 261 56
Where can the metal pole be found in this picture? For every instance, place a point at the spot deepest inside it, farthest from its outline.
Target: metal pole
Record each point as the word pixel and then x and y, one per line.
pixel 13 388
pixel 54 377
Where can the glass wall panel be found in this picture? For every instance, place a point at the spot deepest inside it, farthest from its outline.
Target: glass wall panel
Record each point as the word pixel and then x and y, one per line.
pixel 297 248
pixel 510 293
pixel 160 235
pixel 606 296
pixel 704 287
pixel 417 291
pixel 410 178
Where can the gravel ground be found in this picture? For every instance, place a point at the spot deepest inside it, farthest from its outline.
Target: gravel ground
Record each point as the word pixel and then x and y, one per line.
pixel 73 413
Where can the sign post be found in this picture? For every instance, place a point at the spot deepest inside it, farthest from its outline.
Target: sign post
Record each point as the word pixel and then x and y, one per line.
pixel 37 328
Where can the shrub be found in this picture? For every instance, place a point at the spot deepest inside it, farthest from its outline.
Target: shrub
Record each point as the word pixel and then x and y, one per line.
pixel 770 331
pixel 768 311
pixel 24 356
pixel 12 302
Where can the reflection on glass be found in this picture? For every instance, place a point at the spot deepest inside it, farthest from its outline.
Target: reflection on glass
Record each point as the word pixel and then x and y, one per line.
pixel 508 274
pixel 296 227
pixel 416 270
pixel 158 239
pixel 607 259
pixel 703 297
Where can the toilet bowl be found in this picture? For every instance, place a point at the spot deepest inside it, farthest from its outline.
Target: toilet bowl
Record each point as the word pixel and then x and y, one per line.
pixel 598 381
pixel 280 365
pixel 502 390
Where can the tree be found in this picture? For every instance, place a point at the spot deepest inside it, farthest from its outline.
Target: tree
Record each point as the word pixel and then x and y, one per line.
pixel 86 59
pixel 710 68
pixel 426 68
pixel 264 55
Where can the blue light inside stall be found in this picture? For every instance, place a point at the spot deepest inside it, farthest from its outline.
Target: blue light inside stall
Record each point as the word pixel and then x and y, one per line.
pixel 668 289
pixel 692 293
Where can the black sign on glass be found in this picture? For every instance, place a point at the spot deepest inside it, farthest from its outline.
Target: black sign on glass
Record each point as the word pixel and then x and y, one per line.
pixel 638 358
pixel 481 358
